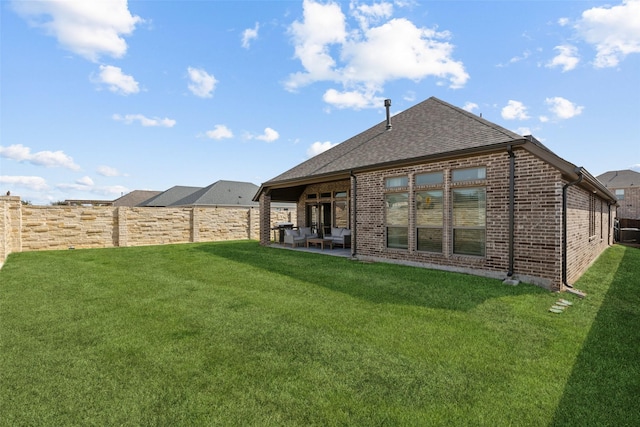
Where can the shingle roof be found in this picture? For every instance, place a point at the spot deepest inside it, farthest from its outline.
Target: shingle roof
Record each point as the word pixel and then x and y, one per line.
pixel 221 193
pixel 172 195
pixel 620 179
pixel 430 128
pixel 135 198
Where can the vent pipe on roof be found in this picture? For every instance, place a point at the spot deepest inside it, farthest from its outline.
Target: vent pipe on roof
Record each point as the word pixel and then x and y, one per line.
pixel 387 104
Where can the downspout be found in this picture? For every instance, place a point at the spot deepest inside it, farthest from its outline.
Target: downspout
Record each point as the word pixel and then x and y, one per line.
pixel 564 225
pixel 512 192
pixel 354 233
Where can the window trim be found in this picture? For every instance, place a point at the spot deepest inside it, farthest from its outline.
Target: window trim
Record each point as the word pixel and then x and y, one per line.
pixel 455 227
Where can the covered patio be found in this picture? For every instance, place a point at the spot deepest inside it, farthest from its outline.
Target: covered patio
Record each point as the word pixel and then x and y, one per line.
pixel 336 251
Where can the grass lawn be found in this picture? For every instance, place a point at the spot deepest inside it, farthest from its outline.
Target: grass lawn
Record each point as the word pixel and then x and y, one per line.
pixel 236 334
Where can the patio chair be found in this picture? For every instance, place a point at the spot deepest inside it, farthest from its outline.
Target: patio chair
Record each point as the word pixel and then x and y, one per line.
pixel 297 237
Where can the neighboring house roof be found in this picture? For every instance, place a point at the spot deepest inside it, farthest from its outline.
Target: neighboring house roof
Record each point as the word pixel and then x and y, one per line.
pixel 620 179
pixel 221 193
pixel 430 130
pixel 135 198
pixel 170 196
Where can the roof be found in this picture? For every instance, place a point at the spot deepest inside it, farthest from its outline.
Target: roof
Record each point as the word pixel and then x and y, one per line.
pixel 429 128
pixel 221 193
pixel 135 198
pixel 170 196
pixel 620 179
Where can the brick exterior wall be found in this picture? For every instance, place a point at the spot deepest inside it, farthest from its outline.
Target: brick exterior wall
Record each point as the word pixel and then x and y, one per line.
pixel 537 227
pixel 265 219
pixel 318 189
pixel 584 247
pixel 33 228
pixel 538 219
pixel 629 207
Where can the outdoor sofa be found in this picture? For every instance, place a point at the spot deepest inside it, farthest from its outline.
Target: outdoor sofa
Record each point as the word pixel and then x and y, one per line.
pixel 297 237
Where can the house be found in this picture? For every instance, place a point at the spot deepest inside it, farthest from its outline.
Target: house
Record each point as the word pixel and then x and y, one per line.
pixel 220 193
pixel 626 187
pixel 135 198
pixel 439 187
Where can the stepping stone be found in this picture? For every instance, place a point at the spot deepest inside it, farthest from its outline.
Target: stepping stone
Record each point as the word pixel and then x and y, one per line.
pixel 555 310
pixel 558 307
pixel 566 302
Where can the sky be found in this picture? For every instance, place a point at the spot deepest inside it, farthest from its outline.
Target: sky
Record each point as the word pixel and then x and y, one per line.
pixel 100 98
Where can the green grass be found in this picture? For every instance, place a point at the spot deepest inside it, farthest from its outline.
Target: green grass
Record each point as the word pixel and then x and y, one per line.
pixel 236 334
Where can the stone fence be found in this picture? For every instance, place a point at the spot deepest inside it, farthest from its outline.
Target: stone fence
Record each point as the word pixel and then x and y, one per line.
pixel 33 228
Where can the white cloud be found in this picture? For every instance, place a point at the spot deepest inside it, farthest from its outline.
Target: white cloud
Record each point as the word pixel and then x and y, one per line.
pixel 111 190
pixel 366 14
pixel 563 22
pixel 145 121
pixel 524 131
pixel 202 83
pixel 514 110
pixel 85 180
pixel 613 31
pixel 50 159
pixel 526 54
pixel 269 135
pixel 34 183
pixel 87 185
pixel 567 58
pixel 87 28
pixel 248 35
pixel 470 106
pixel 563 108
pixel 635 167
pixel 108 171
pixel 319 147
pixel 329 51
pixel 410 96
pixel 116 80
pixel 351 99
pixel 219 132
pixel 543 119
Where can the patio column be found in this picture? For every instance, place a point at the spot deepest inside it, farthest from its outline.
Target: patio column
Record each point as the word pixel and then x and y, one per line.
pixel 265 219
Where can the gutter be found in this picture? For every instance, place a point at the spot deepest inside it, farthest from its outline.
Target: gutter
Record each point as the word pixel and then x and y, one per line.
pixel 579 172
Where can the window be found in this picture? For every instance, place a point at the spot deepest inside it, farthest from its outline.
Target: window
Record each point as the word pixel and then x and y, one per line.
pixel 469 221
pixel 429 211
pixel 397 220
pixel 341 214
pixel 620 194
pixel 340 194
pixel 601 218
pixel 592 216
pixel 472 174
pixel 400 181
pixel 429 178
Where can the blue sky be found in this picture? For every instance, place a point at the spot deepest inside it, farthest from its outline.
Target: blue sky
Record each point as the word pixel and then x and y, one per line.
pixel 99 98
